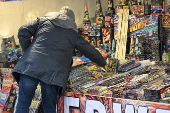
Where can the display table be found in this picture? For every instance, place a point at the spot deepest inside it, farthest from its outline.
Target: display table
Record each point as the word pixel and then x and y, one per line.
pixel 80 103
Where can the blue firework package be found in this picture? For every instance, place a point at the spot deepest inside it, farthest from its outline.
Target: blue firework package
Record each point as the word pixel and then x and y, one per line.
pixel 4 97
pixel 143 26
pixel 9 43
pixel 157 10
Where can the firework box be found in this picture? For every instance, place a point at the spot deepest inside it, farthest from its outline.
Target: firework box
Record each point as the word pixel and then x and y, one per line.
pixel 107 35
pixel 108 40
pixel 165 21
pixel 156 92
pixel 165 32
pixel 143 26
pixel 143 34
pixel 123 2
pixel 157 10
pixel 111 65
pixel 9 43
pixel 109 21
pixel 3 99
pixel 3 57
pixel 156 7
pixel 137 9
pixel 167 8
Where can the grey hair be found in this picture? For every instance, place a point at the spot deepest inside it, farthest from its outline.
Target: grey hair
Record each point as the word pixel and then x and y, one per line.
pixel 68 11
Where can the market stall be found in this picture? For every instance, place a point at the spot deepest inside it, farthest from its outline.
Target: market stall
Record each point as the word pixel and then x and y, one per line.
pixel 133 37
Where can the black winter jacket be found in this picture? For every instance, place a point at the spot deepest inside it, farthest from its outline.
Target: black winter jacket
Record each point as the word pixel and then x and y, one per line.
pixel 49 55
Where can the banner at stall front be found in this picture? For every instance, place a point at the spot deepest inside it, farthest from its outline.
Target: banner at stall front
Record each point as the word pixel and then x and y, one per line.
pixel 79 103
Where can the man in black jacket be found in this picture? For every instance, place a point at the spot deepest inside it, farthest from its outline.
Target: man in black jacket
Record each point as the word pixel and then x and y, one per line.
pixel 47 58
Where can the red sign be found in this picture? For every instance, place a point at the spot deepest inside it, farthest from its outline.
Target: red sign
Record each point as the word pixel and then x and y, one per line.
pixel 79 103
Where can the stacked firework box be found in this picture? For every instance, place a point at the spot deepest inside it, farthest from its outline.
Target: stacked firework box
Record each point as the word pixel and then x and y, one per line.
pixel 165 37
pixel 91 30
pixel 143 32
pixel 157 7
pixel 156 92
pixel 9 89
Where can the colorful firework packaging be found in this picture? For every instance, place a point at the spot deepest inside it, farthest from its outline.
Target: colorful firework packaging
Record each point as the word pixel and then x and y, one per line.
pixel 111 65
pixel 136 82
pixel 167 7
pixel 9 43
pixel 123 2
pixel 143 26
pixel 99 17
pixel 143 32
pixel 3 99
pixel 165 32
pixel 157 7
pixel 147 10
pixel 108 41
pixel 156 92
pixel 9 88
pixel 109 14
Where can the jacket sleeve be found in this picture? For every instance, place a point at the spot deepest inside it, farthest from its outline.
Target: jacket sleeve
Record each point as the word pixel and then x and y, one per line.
pixel 26 32
pixel 90 52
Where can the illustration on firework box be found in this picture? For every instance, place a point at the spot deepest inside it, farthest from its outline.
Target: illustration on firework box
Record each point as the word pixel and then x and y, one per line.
pixel 166 32
pixel 116 18
pixel 157 10
pixel 106 35
pixel 9 43
pixel 165 20
pixel 111 65
pixel 156 7
pixel 123 2
pixel 156 2
pixel 143 26
pixel 137 9
pixel 167 7
pixel 93 41
pixel 99 21
pixel 120 7
pixel 94 31
pixel 86 29
pixel 109 22
pixel 108 39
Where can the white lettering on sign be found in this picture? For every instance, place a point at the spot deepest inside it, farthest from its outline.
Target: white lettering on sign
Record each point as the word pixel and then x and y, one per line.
pixel 70 102
pixel 142 109
pixel 94 105
pixel 117 108
pixel 97 106
pixel 162 111
pixel 129 109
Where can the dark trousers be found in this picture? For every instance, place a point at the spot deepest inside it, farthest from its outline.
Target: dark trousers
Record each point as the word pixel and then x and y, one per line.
pixel 27 87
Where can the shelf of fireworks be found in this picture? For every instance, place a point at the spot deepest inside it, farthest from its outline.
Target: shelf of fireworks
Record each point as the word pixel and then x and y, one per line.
pixel 11 52
pixel 123 32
